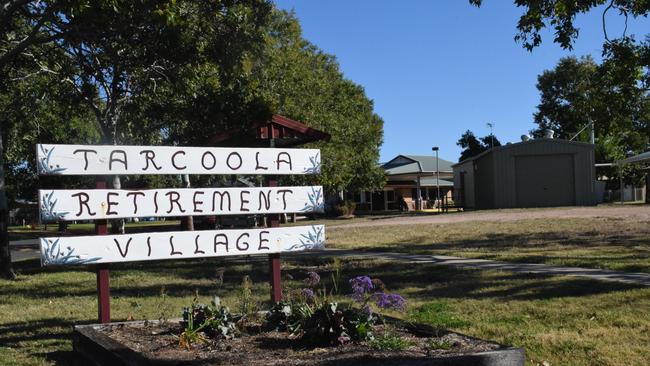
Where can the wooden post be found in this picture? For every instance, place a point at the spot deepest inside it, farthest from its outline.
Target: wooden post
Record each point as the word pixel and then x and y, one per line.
pixel 103 278
pixel 275 265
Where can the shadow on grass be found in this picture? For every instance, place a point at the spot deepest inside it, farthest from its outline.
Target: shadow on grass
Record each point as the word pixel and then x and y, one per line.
pixel 45 331
pixel 502 246
pixel 189 276
pixel 423 282
pixel 431 282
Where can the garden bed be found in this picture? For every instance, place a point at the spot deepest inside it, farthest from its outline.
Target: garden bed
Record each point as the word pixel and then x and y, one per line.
pixel 157 343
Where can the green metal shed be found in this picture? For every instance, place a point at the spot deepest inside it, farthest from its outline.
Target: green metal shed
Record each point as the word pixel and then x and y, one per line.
pixel 536 173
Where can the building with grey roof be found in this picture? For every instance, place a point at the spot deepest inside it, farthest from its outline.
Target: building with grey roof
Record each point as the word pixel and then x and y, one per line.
pixel 412 183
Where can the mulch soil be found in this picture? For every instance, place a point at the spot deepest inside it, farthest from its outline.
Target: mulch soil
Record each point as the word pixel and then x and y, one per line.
pixel 160 342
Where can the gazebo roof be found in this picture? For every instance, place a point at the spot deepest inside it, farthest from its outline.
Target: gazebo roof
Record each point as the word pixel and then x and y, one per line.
pixel 284 132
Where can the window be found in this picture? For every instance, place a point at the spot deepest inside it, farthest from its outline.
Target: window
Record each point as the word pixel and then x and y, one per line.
pixel 368 196
pixel 390 196
pixel 357 197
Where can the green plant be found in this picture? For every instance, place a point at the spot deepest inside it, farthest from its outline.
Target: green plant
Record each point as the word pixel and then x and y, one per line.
pixel 162 306
pixel 201 321
pixel 247 305
pixel 346 208
pixel 390 342
pixel 337 266
pixel 439 343
pixel 318 320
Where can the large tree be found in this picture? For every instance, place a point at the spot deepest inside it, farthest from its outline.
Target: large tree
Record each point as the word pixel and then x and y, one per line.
pixel 473 146
pixel 298 80
pixel 107 57
pixel 579 94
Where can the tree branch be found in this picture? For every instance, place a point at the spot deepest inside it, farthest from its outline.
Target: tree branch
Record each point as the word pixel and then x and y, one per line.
pixel 611 4
pixel 29 40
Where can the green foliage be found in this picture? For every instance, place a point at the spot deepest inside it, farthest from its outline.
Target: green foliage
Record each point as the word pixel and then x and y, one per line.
pixel 473 146
pixel 318 320
pixel 439 343
pixel 174 72
pixel 560 15
pixel 613 95
pixel 578 92
pixel 439 315
pixel 202 321
pixel 390 342
pixel 296 79
pixel 337 267
pixel 346 208
pixel 247 305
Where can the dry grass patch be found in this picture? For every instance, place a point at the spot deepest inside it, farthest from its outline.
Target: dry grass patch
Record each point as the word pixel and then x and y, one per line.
pixel 615 244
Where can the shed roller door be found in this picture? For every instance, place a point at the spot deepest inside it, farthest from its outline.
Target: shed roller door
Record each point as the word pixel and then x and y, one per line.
pixel 545 180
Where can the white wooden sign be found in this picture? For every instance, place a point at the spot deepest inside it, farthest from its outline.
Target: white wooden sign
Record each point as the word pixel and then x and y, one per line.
pixel 179 245
pixel 125 160
pixel 70 205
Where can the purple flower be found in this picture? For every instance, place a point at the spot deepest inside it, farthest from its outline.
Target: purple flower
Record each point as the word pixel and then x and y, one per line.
pixel 307 293
pixel 390 301
pixel 366 309
pixel 312 279
pixel 360 286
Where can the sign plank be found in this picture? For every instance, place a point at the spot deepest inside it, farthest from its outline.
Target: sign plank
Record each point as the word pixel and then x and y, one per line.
pixel 70 205
pixel 125 160
pixel 179 245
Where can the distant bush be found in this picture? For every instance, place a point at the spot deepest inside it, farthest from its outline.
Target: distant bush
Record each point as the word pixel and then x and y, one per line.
pixel 346 208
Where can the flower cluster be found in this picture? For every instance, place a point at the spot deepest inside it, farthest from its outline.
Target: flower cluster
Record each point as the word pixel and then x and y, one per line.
pixel 308 294
pixel 312 279
pixel 361 288
pixel 390 301
pixel 365 289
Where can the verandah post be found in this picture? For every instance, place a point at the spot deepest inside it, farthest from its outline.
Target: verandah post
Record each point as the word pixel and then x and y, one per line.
pixel 103 277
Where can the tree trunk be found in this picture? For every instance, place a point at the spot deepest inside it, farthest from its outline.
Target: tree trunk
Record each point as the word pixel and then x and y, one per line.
pixel 6 267
pixel 117 225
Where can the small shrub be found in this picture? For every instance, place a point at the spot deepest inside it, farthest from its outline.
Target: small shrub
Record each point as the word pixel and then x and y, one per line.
pixel 439 343
pixel 316 319
pixel 202 321
pixel 346 208
pixel 390 342
pixel 337 266
pixel 247 305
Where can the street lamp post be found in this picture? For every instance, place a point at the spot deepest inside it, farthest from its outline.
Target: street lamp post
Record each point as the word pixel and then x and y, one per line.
pixel 436 148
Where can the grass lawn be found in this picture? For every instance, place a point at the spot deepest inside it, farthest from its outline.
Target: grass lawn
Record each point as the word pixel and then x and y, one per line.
pixel 557 319
pixel 616 244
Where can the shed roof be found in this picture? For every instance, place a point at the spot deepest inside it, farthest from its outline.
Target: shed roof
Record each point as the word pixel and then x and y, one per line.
pixel 519 144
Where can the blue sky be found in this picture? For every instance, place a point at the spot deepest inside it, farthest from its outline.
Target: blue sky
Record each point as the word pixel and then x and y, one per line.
pixel 437 68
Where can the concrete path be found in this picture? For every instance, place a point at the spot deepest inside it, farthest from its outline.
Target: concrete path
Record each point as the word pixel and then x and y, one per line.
pixel 29 251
